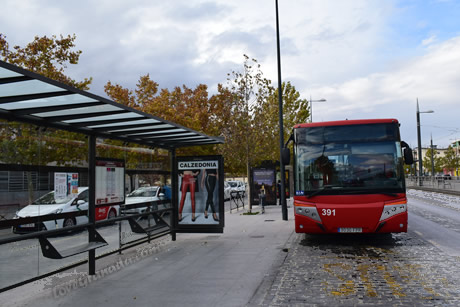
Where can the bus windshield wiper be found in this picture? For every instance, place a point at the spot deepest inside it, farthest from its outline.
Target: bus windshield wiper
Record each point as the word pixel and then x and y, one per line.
pixel 389 194
pixel 369 192
pixel 328 187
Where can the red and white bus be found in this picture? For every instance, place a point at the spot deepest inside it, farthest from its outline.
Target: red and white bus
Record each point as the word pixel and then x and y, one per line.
pixel 349 177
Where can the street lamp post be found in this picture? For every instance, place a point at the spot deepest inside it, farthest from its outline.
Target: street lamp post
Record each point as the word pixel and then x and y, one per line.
pixel 419 142
pixel 432 159
pixel 456 156
pixel 284 211
pixel 311 107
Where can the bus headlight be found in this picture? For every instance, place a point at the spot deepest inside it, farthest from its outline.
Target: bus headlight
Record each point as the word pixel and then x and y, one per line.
pixel 391 210
pixel 310 212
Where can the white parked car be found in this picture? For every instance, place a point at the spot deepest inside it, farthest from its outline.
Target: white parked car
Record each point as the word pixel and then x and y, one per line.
pixel 237 186
pixel 47 204
pixel 227 190
pixel 143 195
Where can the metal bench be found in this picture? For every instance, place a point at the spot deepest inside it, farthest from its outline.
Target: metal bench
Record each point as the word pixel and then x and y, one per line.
pixel 160 225
pixel 49 251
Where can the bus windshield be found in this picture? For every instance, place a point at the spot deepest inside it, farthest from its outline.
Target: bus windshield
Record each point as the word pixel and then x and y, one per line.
pixel 355 159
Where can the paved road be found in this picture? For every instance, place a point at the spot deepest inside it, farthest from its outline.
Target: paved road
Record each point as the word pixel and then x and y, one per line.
pixel 418 268
pixel 260 261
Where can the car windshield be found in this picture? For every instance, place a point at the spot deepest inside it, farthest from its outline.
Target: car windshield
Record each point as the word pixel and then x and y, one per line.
pixel 233 184
pixel 48 199
pixel 150 192
pixel 348 159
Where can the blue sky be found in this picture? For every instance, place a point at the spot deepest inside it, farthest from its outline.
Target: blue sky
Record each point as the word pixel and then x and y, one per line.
pixel 419 22
pixel 368 58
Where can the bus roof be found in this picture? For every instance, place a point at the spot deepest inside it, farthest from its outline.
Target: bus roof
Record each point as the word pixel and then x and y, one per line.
pixel 347 122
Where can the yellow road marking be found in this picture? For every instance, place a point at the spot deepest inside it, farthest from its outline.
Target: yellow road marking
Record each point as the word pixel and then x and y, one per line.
pixel 364 275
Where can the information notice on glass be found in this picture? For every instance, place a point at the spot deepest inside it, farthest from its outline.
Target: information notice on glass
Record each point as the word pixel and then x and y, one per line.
pixel 60 185
pixel 110 185
pixel 65 184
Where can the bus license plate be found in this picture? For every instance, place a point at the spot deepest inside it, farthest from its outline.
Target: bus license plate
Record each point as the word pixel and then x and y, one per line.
pixel 350 230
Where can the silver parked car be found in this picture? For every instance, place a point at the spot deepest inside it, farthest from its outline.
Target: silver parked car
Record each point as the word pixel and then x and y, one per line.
pixel 143 195
pixel 227 190
pixel 237 186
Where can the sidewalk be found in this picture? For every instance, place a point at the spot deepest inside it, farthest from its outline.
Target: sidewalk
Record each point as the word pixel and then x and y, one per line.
pixel 446 186
pixel 229 269
pixel 428 189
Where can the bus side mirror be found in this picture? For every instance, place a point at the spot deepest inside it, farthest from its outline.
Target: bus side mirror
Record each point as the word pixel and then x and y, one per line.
pixel 407 153
pixel 286 156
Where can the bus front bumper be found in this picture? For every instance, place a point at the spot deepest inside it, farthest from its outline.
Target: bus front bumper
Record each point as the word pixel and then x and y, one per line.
pixel 351 218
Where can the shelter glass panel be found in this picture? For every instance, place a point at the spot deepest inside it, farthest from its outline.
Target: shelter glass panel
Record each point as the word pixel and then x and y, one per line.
pixel 28 88
pixel 48 102
pixel 108 117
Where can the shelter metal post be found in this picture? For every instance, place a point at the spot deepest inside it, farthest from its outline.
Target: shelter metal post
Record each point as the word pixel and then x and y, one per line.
pixel 174 192
pixel 92 201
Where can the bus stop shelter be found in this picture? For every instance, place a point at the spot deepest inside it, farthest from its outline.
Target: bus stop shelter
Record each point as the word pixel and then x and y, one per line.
pixel 31 98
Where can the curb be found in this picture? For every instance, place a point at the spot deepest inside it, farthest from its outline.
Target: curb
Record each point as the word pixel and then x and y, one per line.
pixel 451 192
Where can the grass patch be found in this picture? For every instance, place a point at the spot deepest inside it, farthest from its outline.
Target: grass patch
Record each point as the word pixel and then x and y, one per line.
pixel 251 213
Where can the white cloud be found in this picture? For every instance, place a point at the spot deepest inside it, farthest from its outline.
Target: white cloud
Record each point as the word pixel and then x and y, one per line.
pixel 433 77
pixel 365 57
pixel 429 40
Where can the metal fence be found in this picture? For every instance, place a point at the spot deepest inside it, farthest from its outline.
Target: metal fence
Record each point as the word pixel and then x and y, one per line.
pixel 43 253
pixel 434 183
pixel 11 181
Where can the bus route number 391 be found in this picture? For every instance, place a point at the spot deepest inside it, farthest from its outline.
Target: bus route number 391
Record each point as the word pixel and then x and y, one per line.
pixel 328 212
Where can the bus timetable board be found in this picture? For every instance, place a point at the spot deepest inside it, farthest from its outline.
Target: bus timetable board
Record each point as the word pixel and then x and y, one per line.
pixel 110 181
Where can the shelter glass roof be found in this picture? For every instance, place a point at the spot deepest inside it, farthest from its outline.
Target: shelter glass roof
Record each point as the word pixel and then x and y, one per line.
pixel 28 97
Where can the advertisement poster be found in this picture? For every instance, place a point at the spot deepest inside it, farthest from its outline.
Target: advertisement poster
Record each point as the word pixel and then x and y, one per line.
pixel 72 183
pixel 264 183
pixel 200 191
pixel 110 181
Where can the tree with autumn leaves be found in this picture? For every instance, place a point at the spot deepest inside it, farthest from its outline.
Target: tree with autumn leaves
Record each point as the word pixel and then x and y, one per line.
pixel 244 110
pixel 253 126
pixel 47 56
pixel 27 144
